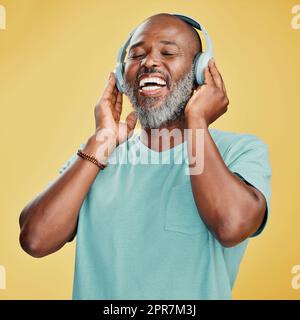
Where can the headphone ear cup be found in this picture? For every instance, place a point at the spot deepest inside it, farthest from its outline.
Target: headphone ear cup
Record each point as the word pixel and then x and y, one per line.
pixel 119 77
pixel 200 63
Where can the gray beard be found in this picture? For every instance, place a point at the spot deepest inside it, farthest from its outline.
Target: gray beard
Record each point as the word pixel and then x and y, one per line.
pixel 171 108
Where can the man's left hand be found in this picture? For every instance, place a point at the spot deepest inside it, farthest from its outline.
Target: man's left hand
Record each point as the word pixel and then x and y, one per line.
pixel 209 100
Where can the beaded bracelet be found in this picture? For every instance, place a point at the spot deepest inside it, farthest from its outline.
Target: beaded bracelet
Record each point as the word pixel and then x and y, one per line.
pixel 83 155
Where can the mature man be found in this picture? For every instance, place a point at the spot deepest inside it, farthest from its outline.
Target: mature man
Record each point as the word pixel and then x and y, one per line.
pixel 151 231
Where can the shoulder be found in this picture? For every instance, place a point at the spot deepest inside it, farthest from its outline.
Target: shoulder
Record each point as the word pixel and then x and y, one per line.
pixel 233 143
pixel 227 138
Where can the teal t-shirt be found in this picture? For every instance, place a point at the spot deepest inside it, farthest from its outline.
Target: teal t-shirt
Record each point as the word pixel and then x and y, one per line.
pixel 140 235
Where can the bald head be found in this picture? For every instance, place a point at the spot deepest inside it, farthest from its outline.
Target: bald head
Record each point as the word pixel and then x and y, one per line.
pixel 166 20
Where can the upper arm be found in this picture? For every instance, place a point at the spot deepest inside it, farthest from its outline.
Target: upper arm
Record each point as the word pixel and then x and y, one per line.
pixel 260 218
pixel 248 158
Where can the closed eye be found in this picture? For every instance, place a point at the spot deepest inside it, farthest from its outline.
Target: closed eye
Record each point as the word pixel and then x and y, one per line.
pixel 167 53
pixel 136 56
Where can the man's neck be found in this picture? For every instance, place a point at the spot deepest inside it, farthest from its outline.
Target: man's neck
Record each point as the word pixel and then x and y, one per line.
pixel 165 137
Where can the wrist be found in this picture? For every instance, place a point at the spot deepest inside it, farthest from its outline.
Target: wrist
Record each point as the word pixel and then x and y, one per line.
pixel 100 147
pixel 196 121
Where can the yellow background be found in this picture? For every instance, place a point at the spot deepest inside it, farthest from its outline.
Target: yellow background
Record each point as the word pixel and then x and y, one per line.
pixel 55 57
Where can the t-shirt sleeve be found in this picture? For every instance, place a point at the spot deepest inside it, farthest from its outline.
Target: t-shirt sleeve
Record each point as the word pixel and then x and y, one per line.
pixel 248 158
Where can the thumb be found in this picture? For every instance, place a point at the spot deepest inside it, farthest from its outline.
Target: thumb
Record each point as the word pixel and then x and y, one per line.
pixel 131 121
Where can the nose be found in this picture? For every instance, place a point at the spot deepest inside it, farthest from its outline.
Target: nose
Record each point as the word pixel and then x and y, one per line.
pixel 150 61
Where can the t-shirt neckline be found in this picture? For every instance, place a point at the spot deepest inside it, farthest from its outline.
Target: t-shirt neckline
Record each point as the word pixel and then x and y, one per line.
pixel 176 148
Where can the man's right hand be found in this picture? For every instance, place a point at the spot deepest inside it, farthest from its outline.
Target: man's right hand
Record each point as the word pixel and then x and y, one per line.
pixel 50 219
pixel 108 112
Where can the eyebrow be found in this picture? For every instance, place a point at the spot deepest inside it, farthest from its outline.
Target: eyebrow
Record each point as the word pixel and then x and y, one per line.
pixel 167 42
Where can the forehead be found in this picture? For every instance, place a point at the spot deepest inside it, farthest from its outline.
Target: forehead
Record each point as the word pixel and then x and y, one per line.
pixel 162 29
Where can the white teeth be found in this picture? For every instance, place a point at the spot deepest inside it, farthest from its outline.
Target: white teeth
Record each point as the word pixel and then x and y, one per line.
pixel 150 88
pixel 152 80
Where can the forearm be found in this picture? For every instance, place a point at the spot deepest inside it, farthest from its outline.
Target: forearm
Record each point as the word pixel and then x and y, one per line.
pixel 229 207
pixel 50 220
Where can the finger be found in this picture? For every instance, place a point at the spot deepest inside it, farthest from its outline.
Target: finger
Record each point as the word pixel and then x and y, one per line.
pixel 223 84
pixel 110 86
pixel 114 98
pixel 131 121
pixel 224 88
pixel 118 105
pixel 208 79
pixel 115 92
pixel 215 74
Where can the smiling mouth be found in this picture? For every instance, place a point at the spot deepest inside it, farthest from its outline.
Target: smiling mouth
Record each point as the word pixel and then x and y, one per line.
pixel 150 86
pixel 151 90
